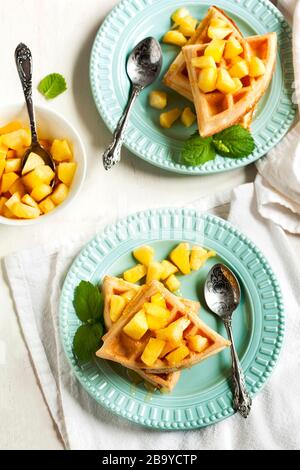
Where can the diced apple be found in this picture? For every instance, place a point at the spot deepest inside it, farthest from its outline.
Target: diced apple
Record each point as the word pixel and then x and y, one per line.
pixel 47 205
pixel 152 351
pixel 256 67
pixel 22 211
pixel 128 295
pixel 41 174
pixel 117 304
pixel 7 180
pixel 154 271
pixel 135 274
pixel 66 171
pixel 12 200
pixel 2 203
pixel 172 283
pixel 10 127
pixel 238 84
pixel 17 139
pixel 181 257
pixel 187 26
pixel 239 70
pixel 158 299
pixel 33 161
pixel 156 323
pixel 137 326
pixel 208 79
pixel 218 23
pixel 188 117
pixel 18 187
pixel 59 194
pixel 61 151
pixel 203 62
pixel 173 333
pixel 199 256
pixel 156 310
pixel 197 343
pixel 29 201
pixel 144 254
pixel 175 357
pixel 168 269
pixel 175 38
pixel 167 119
pixel 6 212
pixel 40 192
pixel 158 99
pixel 167 348
pixel 215 49
pixel 2 166
pixel 233 48
pixel 179 14
pixel 13 164
pixel 225 83
pixel 218 33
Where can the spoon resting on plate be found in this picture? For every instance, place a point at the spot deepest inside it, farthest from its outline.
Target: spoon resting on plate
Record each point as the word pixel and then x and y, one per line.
pixel 24 66
pixel 222 294
pixel 143 67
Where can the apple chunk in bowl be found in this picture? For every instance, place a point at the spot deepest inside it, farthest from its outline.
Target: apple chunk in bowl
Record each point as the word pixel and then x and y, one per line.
pixel 27 197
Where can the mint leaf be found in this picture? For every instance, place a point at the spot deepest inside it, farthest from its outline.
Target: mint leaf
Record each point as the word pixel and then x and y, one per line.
pixel 234 142
pixel 87 341
pixel 88 302
pixel 52 85
pixel 197 150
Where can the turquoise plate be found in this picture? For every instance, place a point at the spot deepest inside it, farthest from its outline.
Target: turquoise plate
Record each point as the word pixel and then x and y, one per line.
pixel 132 20
pixel 203 394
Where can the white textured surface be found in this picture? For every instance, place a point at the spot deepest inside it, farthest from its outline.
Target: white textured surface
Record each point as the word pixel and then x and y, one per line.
pixel 60 34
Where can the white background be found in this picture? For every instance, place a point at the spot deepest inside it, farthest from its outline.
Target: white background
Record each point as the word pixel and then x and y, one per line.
pixel 60 34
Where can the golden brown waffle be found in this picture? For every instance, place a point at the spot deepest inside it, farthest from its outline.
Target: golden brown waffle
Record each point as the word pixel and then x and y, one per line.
pixel 119 347
pixel 177 75
pixel 114 285
pixel 217 111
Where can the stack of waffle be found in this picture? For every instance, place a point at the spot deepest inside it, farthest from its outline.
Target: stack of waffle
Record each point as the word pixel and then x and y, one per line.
pixel 156 334
pixel 216 110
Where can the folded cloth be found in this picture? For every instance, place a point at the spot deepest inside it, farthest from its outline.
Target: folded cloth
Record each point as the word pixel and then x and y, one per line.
pixel 277 185
pixel 83 424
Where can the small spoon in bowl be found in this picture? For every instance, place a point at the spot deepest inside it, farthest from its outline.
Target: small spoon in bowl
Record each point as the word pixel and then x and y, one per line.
pixel 222 295
pixel 143 67
pixel 24 66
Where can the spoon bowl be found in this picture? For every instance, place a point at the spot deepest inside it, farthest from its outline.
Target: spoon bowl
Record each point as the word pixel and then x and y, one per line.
pixel 143 67
pixel 23 60
pixel 222 294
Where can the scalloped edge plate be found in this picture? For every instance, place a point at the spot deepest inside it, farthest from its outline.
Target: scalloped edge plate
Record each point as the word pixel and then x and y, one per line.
pixel 215 403
pixel 154 146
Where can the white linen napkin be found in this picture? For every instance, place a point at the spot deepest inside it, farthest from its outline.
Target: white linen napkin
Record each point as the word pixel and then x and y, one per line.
pixel 83 424
pixel 277 185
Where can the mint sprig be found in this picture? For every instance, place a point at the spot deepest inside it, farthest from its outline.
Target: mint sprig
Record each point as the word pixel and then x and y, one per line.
pixel 233 142
pixel 88 305
pixel 198 150
pixel 52 85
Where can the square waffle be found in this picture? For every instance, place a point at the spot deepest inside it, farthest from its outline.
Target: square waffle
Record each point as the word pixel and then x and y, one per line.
pixel 217 111
pixel 119 347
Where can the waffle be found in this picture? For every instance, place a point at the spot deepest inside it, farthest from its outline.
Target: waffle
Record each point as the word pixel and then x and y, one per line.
pixel 113 285
pixel 217 111
pixel 177 75
pixel 120 348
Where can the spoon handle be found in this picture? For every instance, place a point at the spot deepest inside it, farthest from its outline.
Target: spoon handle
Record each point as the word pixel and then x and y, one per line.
pixel 112 154
pixel 24 66
pixel 242 401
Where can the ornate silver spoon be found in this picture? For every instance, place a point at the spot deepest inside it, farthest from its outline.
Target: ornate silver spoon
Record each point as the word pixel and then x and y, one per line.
pixel 24 66
pixel 143 67
pixel 222 294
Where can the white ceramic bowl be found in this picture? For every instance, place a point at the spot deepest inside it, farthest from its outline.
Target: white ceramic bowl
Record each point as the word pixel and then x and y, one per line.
pixel 51 125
